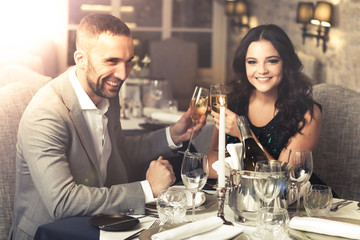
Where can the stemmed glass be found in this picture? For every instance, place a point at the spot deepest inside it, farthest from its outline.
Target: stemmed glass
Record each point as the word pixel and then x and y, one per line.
pixel 302 161
pixel 198 106
pixel 267 184
pixel 194 174
pixel 217 96
pixel 268 179
pixel 157 88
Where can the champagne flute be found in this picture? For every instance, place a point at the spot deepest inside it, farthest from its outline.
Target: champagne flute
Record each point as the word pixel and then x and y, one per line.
pixel 198 106
pixel 194 174
pixel 217 96
pixel 302 161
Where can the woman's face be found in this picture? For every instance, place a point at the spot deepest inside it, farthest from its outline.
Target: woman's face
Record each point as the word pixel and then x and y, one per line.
pixel 264 67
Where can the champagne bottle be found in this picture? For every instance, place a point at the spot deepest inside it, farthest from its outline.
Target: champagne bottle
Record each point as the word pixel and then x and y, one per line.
pixel 252 153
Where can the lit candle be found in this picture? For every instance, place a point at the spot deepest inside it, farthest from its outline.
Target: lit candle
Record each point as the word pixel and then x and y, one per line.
pixel 221 173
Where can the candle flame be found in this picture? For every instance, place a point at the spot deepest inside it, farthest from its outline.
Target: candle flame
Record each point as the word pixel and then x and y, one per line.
pixel 221 100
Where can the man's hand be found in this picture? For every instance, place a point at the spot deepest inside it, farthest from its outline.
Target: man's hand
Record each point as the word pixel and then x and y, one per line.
pixel 181 130
pixel 160 175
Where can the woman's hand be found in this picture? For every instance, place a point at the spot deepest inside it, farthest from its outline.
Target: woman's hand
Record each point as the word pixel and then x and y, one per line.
pixel 231 127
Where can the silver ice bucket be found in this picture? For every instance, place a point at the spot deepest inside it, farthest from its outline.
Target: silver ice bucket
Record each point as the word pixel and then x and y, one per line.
pixel 243 199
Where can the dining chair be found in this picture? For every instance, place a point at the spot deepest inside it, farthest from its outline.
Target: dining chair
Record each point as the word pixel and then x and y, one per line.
pixel 176 60
pixel 14 97
pixel 337 155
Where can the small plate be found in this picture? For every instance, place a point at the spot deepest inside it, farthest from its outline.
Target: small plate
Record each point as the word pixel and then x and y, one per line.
pixel 146 235
pixel 100 220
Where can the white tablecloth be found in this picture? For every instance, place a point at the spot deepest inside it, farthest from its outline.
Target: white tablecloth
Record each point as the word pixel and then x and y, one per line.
pixel 349 211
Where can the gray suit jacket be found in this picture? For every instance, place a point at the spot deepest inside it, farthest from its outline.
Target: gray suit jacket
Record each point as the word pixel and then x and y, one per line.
pixel 58 174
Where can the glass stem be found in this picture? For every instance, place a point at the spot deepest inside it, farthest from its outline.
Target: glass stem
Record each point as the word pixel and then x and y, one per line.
pixel 193 206
pixel 191 136
pixel 297 199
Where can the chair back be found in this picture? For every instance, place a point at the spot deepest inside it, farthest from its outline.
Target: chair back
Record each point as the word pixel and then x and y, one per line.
pixel 14 97
pixel 337 155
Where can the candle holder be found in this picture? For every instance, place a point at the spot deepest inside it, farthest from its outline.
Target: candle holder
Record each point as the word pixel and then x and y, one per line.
pixel 221 200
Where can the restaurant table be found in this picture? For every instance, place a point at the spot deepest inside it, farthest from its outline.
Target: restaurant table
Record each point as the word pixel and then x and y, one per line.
pixel 78 228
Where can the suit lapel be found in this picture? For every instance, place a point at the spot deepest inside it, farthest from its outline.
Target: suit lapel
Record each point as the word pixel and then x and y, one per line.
pixel 75 113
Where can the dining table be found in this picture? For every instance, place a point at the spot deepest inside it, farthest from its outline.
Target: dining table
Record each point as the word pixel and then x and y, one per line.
pixel 80 228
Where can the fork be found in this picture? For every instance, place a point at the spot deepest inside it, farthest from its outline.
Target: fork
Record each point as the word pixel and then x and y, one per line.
pixel 155 224
pixel 340 204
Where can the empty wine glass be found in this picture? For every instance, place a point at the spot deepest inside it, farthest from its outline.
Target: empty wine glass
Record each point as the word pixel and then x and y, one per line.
pixel 268 180
pixel 302 161
pixel 157 89
pixel 194 173
pixel 198 106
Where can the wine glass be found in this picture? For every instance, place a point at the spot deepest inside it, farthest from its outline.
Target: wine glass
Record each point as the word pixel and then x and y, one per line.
pixel 157 89
pixel 198 106
pixel 217 96
pixel 268 180
pixel 302 161
pixel 194 174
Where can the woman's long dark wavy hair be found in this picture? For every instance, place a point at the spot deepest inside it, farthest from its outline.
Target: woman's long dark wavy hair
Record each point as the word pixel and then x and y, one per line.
pixel 295 91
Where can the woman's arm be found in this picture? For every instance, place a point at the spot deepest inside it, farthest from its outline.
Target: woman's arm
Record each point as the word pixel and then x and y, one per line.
pixel 309 137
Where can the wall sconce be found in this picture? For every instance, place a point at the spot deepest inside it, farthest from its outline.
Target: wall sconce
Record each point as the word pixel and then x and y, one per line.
pixel 320 15
pixel 238 11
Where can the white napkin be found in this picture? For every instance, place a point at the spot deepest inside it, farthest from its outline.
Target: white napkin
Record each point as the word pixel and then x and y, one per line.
pixel 166 116
pixel 208 228
pixel 325 226
pixel 228 162
pixel 235 150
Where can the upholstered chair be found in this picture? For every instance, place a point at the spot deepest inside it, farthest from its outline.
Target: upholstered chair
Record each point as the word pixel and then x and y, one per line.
pixel 14 97
pixel 337 155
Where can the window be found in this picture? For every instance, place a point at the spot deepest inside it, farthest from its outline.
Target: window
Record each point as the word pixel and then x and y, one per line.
pixel 203 22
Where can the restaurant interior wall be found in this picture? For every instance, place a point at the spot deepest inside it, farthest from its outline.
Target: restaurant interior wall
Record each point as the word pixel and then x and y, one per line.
pixel 340 64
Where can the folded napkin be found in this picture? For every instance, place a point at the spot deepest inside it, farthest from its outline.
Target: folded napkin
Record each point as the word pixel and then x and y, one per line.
pixel 228 162
pixel 325 226
pixel 208 228
pixel 235 150
pixel 166 116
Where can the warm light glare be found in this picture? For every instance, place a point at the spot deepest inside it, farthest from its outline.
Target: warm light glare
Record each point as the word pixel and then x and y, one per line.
pixel 26 23
pixel 95 8
pixel 315 22
pixel 240 8
pixel 221 101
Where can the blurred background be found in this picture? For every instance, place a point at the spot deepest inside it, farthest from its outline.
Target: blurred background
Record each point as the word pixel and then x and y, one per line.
pixel 40 34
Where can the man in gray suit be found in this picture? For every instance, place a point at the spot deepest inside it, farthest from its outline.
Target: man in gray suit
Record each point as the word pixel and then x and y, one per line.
pixel 72 157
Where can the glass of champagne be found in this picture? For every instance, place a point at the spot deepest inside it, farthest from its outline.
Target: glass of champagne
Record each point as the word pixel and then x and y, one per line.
pixel 302 161
pixel 217 96
pixel 194 174
pixel 198 106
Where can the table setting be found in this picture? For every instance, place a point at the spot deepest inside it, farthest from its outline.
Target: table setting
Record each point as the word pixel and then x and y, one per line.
pixel 275 201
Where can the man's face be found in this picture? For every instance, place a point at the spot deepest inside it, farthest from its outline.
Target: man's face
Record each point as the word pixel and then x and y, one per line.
pixel 108 65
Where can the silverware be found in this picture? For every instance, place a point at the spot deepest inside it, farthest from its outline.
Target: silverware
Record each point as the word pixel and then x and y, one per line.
pixel 155 224
pixel 340 204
